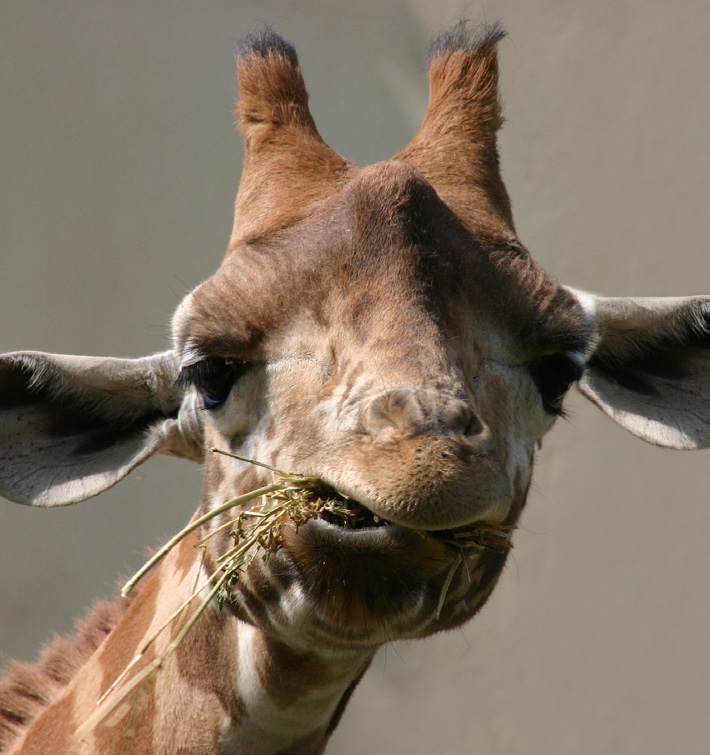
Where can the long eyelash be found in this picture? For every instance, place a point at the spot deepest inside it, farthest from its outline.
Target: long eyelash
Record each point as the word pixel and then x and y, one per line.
pixel 560 412
pixel 200 372
pixel 194 374
pixel 207 370
pixel 568 367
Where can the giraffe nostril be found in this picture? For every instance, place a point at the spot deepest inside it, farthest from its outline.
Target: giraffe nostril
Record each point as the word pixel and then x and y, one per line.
pixel 408 411
pixel 459 417
pixel 474 426
pixel 398 409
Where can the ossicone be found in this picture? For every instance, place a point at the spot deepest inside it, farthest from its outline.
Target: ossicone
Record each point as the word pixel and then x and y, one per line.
pixel 287 165
pixel 461 37
pixel 267 42
pixel 456 147
pixel 271 86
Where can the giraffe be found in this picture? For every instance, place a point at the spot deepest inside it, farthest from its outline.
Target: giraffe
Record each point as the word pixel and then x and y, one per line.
pixel 380 328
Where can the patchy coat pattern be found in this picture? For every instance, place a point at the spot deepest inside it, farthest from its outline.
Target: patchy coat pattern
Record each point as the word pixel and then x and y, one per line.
pixel 380 328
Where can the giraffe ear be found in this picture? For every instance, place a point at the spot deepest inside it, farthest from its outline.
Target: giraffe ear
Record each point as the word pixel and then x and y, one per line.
pixel 71 427
pixel 650 367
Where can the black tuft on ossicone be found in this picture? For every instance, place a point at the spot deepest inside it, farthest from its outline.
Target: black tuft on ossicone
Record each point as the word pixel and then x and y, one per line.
pixel 460 37
pixel 267 42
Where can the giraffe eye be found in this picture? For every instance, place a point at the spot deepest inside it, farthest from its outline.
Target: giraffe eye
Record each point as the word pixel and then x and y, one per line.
pixel 553 375
pixel 213 379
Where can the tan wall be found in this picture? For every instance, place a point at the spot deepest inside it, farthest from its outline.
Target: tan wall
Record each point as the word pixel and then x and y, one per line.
pixel 119 165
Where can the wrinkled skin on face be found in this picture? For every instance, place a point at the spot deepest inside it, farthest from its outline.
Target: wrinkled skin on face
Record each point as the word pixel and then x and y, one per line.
pixel 381 329
pixel 380 371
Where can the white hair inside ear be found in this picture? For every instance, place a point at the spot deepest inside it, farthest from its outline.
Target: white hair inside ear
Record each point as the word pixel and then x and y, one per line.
pixel 648 366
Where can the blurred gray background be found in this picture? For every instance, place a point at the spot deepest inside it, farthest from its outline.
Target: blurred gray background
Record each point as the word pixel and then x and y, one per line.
pixel 119 164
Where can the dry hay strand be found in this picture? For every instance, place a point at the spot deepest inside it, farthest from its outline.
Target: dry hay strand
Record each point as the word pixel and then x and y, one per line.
pixel 258 531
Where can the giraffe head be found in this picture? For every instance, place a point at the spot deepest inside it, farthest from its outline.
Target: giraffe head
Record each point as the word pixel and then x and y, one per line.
pixel 382 329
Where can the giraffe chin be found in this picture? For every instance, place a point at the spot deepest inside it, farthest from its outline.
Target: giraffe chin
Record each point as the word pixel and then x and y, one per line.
pixel 361 581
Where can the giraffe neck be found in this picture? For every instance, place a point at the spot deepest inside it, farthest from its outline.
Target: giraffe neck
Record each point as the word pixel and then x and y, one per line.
pixel 228 688
pixel 293 698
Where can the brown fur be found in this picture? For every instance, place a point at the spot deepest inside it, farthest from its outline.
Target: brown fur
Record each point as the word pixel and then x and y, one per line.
pixel 455 148
pixel 394 285
pixel 28 689
pixel 280 668
pixel 287 166
pixel 115 656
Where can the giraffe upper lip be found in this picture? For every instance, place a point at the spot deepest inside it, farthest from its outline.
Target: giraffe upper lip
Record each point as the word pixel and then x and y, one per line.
pixel 441 488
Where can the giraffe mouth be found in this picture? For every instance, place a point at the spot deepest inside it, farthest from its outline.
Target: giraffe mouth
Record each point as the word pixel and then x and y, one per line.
pixel 363 571
pixel 362 529
pixel 377 534
pixel 367 527
pixel 362 518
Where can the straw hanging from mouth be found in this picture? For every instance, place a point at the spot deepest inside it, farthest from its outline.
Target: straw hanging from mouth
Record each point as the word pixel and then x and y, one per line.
pixel 289 499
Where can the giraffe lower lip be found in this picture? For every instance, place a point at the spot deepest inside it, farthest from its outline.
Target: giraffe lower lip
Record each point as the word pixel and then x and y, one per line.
pixel 379 533
pixel 364 537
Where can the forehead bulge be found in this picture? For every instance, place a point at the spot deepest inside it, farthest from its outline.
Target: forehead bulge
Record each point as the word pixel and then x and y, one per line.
pixel 384 264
